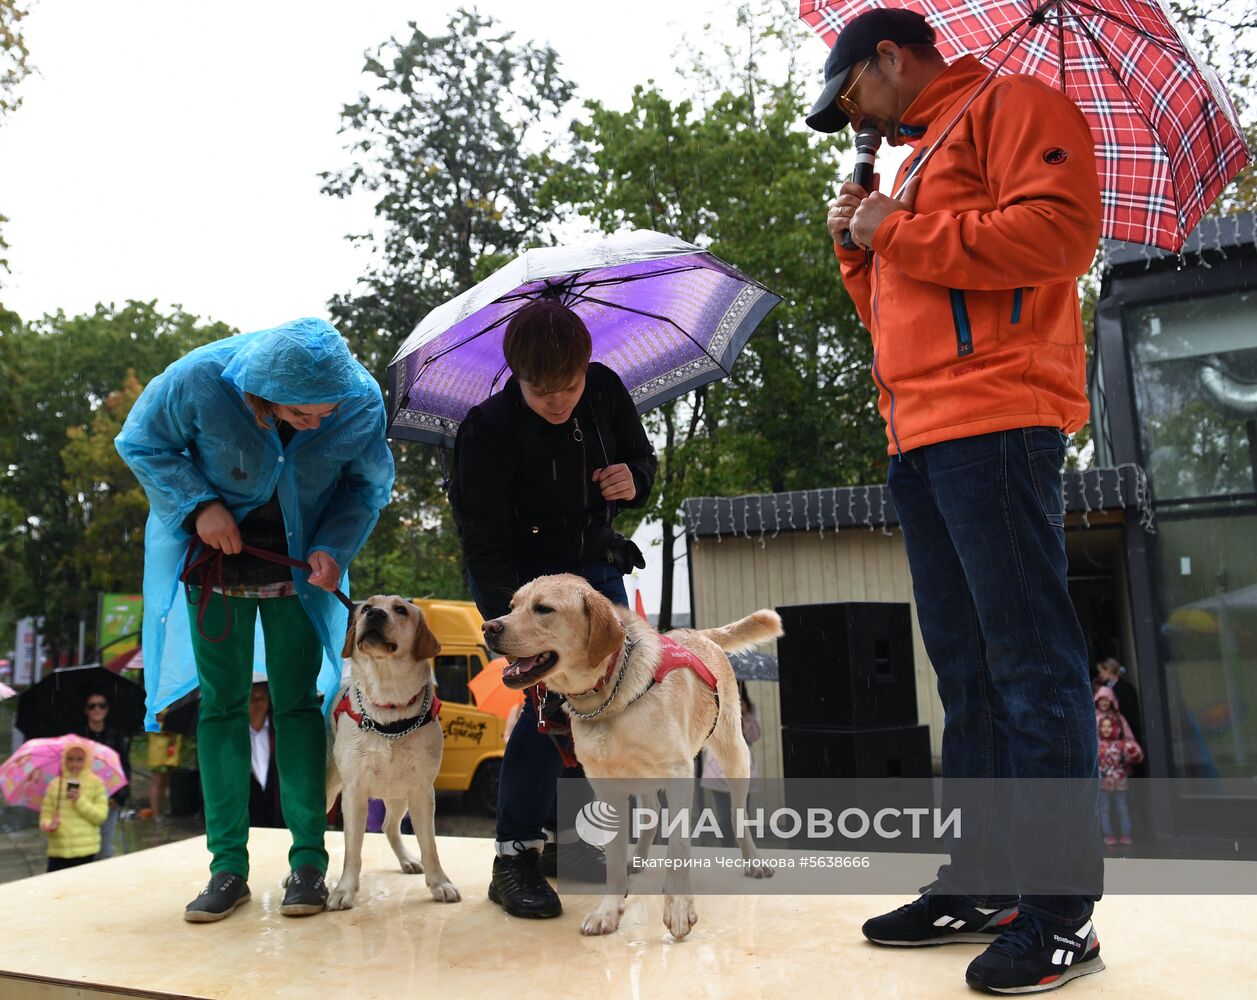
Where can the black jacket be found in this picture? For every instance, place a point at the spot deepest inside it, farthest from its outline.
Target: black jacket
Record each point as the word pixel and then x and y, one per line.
pixel 522 493
pixel 120 743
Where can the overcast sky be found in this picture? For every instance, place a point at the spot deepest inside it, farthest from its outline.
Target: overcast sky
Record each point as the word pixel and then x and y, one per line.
pixel 171 151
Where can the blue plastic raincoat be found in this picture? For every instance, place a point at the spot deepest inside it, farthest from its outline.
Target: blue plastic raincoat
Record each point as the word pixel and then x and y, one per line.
pixel 191 437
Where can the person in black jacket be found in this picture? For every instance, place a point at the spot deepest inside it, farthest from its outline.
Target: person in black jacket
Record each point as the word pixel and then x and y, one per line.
pixel 96 727
pixel 540 469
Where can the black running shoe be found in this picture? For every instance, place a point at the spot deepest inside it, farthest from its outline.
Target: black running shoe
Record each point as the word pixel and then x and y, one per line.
pixel 219 899
pixel 937 919
pixel 581 862
pixel 306 893
pixel 1033 956
pixel 519 887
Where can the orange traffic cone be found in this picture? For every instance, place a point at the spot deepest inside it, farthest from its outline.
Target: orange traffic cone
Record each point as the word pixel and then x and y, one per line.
pixel 640 607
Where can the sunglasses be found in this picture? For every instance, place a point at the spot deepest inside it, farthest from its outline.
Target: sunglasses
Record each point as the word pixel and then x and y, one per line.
pixel 848 106
pixel 97 704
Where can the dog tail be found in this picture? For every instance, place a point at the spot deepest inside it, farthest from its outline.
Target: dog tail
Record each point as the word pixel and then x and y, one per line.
pixel 747 632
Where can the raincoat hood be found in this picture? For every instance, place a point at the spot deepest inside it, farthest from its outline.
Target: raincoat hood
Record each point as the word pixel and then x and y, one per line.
pixel 302 363
pixel 74 743
pixel 1107 692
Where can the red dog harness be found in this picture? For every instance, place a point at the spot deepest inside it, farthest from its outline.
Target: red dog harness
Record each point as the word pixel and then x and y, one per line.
pixel 674 656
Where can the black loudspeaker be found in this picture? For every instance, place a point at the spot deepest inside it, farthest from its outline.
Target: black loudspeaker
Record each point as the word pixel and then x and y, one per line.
pixel 847 665
pixel 895 752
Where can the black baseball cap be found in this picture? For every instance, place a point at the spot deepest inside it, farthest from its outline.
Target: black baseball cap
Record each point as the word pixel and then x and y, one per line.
pixel 857 42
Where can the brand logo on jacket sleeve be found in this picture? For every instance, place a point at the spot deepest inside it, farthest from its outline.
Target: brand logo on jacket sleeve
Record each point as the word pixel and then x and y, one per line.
pixel 1055 156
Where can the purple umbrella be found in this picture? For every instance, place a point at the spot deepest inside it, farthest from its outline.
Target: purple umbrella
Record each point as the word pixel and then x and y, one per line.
pixel 666 316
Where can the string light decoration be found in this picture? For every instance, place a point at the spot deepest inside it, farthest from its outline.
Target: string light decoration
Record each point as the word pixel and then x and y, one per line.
pixel 1086 492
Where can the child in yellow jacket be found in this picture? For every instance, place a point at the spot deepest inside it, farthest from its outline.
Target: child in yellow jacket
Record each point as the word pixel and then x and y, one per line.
pixel 74 807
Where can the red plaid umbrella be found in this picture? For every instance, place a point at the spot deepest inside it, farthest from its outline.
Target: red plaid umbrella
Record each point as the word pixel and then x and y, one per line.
pixel 1167 137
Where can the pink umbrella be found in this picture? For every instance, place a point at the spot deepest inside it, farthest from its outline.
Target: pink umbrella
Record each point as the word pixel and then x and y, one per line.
pixel 26 775
pixel 6 692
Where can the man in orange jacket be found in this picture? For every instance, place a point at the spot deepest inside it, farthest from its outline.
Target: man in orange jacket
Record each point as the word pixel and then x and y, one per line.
pixel 967 282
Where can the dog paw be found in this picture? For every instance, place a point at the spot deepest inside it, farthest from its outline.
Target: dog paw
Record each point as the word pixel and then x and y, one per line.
pixel 342 898
pixel 412 867
pixel 679 915
pixel 601 922
pixel 759 871
pixel 445 892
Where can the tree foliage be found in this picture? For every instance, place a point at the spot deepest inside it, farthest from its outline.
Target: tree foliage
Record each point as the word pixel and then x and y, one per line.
pixel 72 520
pixel 452 142
pixel 739 177
pixel 14 68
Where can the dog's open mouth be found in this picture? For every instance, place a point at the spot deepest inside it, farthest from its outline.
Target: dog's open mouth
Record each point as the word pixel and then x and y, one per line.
pixel 524 671
pixel 374 637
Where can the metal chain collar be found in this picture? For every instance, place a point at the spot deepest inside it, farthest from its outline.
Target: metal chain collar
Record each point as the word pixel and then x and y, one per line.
pixel 369 725
pixel 629 643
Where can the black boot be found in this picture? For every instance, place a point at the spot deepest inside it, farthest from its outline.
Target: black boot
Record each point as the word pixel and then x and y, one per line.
pixel 519 887
pixel 219 899
pixel 306 893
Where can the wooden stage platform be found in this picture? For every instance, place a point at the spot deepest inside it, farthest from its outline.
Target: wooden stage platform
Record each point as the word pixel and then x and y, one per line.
pixel 115 928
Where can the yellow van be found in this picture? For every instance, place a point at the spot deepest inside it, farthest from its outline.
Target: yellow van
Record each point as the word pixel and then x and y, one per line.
pixel 474 740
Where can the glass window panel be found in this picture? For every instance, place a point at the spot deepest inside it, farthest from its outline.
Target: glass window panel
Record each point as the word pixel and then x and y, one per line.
pixel 451 679
pixel 1209 592
pixel 1195 376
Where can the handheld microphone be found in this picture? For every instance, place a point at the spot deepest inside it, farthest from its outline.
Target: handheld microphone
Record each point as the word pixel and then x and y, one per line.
pixel 867 142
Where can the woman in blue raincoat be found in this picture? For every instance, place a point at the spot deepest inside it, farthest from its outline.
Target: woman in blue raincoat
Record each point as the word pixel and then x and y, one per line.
pixel 273 440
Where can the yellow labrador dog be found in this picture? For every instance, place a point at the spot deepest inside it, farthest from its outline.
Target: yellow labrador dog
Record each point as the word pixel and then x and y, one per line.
pixel 632 716
pixel 386 743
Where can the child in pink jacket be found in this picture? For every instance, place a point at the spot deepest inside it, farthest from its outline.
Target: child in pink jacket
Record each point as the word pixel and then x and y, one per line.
pixel 1118 754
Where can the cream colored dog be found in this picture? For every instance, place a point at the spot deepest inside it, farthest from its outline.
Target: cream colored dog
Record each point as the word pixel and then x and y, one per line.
pixel 384 743
pixel 628 725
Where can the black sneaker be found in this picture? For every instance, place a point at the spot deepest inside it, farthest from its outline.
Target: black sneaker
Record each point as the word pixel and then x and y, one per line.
pixel 582 862
pixel 306 893
pixel 219 899
pixel 937 919
pixel 519 887
pixel 1033 956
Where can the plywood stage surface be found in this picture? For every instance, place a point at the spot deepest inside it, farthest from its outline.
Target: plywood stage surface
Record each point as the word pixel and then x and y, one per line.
pixel 115 928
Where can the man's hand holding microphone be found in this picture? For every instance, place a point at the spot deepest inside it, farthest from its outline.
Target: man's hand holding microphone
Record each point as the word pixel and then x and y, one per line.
pixel 861 208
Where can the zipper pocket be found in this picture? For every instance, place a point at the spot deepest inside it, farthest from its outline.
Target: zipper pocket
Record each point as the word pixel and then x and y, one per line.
pixel 1016 316
pixel 960 316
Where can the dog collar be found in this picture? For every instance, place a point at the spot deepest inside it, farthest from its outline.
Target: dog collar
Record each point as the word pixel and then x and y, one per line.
pixel 623 654
pixel 389 730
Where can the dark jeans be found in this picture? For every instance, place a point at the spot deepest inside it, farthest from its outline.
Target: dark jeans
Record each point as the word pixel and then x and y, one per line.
pixel 531 766
pixel 983 524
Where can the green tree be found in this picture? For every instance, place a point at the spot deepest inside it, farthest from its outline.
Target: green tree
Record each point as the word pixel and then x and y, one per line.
pixel 14 68
pixel 740 178
pixel 453 142
pixel 60 374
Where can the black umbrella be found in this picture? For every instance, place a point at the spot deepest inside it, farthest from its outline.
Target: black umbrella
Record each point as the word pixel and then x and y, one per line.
pixel 54 706
pixel 754 666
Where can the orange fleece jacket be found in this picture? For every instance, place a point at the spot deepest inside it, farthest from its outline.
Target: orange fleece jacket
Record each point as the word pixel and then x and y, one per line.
pixel 972 297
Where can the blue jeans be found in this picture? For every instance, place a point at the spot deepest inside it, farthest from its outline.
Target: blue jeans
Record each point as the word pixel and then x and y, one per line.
pixel 1118 797
pixel 983 524
pixel 531 766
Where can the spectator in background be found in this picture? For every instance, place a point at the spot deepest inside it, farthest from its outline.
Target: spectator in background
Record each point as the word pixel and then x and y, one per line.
pixel 265 808
pixel 96 727
pixel 1113 675
pixel 74 807
pixel 713 779
pixel 1118 754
